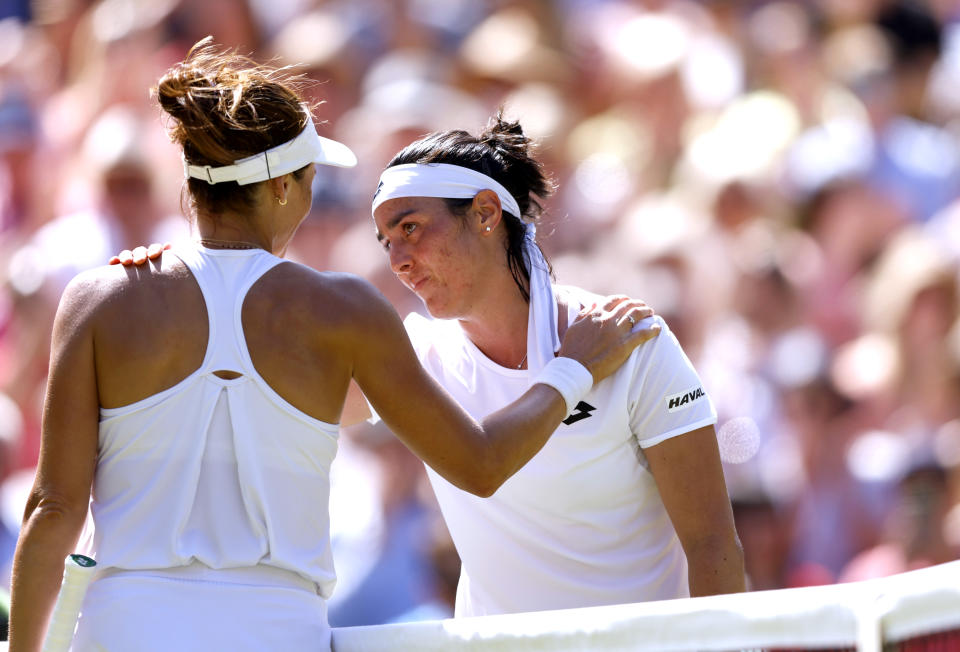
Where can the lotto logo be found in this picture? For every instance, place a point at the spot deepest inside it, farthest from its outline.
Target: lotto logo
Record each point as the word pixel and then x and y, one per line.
pixel 583 411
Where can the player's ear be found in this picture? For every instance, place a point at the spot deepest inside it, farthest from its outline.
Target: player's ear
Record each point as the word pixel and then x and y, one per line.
pixel 486 211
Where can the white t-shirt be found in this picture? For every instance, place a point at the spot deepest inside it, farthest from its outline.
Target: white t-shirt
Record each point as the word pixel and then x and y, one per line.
pixel 582 524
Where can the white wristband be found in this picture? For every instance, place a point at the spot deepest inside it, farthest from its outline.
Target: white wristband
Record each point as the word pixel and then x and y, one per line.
pixel 568 377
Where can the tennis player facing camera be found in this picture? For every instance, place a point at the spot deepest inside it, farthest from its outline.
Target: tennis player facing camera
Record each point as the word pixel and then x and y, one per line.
pixel 627 501
pixel 206 428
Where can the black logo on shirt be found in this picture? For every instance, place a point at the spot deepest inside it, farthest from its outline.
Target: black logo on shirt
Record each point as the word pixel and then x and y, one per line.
pixel 684 399
pixel 583 412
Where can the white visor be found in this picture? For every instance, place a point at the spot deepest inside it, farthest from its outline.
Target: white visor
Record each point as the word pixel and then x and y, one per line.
pixel 288 157
pixel 439 180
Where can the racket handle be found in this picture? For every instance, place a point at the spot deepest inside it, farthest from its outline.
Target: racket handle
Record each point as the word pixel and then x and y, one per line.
pixel 78 570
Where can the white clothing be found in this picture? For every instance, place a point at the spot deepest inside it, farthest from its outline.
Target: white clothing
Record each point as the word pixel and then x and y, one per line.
pixel 582 523
pixel 222 474
pixel 198 609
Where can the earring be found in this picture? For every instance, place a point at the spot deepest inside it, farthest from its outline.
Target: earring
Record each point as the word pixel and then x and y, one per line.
pixel 282 202
pixel 488 229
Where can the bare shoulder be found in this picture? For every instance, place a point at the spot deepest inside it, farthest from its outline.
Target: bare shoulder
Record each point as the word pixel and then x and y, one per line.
pixel 333 298
pixel 90 291
pixel 118 288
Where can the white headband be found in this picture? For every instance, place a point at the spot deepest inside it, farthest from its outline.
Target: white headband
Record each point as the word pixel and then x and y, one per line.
pixel 439 180
pixel 457 182
pixel 288 157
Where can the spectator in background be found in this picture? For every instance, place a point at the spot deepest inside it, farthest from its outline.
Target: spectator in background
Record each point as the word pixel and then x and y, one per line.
pixel 915 535
pixel 11 430
pixel 916 159
pixel 18 140
pixel 765 535
pixel 392 564
pixel 124 207
pixel 834 516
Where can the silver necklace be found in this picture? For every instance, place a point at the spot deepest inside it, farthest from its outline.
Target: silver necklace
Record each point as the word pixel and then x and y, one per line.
pixel 520 366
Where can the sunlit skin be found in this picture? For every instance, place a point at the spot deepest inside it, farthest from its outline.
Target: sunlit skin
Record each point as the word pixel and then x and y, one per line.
pixel 458 268
pixel 433 255
pixel 282 217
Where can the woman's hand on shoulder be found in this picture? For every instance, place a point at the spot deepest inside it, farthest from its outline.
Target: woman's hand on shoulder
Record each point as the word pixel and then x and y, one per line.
pixel 604 336
pixel 139 255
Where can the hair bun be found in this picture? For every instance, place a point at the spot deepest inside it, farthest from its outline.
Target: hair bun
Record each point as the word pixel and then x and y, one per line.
pixel 506 137
pixel 226 106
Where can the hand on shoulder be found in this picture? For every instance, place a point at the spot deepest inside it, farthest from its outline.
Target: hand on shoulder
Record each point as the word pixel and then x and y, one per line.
pixel 139 255
pixel 604 336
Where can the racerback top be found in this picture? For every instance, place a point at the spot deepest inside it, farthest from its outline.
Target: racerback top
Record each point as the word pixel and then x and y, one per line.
pixel 222 472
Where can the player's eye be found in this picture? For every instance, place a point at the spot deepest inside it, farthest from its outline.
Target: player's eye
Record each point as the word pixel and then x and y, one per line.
pixel 408 228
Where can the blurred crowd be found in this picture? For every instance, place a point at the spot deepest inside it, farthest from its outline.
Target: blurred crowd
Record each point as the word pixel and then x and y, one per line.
pixel 778 178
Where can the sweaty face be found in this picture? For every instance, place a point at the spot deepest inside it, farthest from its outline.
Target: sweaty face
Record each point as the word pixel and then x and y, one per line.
pixel 432 252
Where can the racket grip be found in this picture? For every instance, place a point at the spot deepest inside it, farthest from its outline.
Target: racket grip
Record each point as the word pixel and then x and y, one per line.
pixel 78 570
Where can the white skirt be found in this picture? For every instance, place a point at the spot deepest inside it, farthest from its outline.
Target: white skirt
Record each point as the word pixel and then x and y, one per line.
pixel 195 608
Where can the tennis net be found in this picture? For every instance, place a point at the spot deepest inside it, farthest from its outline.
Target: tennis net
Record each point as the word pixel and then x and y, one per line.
pixel 917 611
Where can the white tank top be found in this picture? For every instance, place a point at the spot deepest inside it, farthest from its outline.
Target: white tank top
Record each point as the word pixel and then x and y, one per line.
pixel 222 472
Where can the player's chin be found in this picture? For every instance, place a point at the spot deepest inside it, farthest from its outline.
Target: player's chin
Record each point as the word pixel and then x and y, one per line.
pixel 437 308
pixel 437 313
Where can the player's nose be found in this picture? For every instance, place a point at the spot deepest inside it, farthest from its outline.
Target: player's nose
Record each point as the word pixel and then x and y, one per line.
pixel 400 258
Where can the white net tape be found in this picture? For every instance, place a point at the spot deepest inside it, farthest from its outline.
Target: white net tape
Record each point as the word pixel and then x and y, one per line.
pixel 895 613
pixel 862 616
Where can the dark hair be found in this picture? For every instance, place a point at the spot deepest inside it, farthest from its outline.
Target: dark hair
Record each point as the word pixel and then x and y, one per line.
pixel 912 30
pixel 226 107
pixel 500 151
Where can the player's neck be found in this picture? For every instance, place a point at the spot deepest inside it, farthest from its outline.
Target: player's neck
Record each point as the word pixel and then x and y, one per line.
pixel 229 228
pixel 499 328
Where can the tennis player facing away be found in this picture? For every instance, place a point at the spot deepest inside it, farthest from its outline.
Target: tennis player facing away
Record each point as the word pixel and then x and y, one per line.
pixel 627 501
pixel 199 397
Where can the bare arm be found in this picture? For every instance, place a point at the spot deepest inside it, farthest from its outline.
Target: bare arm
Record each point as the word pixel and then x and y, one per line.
pixel 57 504
pixel 355 408
pixel 477 457
pixel 689 476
